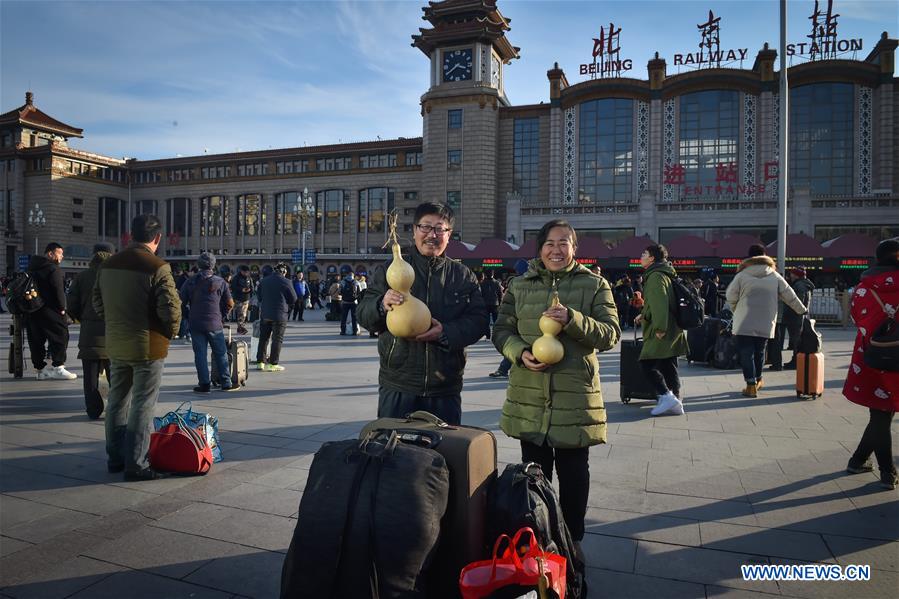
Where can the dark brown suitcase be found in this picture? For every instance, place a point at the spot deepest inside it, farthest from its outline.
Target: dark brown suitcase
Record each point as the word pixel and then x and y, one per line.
pixel 470 455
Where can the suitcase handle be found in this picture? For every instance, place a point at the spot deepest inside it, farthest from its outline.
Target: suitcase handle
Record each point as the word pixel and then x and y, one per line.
pixel 428 439
pixel 427 417
pixel 640 338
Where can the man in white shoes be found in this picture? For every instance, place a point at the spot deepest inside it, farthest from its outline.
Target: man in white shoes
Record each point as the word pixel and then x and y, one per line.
pixel 48 326
pixel 663 341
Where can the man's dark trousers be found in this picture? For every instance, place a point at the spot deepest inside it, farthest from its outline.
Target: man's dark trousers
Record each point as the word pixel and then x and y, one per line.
pixel 348 309
pixel 46 327
pixel 93 399
pixel 274 330
pixel 396 404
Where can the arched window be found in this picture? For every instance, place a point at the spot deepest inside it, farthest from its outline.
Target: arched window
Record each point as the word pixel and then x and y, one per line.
pixel 215 222
pixel 709 134
pixel 606 151
pixel 821 137
pixel 251 222
pixel 332 207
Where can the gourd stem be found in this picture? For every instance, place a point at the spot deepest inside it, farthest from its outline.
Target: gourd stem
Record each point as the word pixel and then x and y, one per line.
pixel 391 230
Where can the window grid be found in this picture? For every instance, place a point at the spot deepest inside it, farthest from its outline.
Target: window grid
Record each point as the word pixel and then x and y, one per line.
pixel 822 138
pixel 454 119
pixel 606 151
pixel 709 134
pixel 526 157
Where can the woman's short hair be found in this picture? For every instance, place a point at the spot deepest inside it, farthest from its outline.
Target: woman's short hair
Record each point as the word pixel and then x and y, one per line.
pixel 658 251
pixel 545 229
pixel 888 252
pixel 756 249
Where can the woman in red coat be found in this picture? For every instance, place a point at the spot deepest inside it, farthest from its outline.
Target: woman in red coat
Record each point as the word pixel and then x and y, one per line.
pixel 877 390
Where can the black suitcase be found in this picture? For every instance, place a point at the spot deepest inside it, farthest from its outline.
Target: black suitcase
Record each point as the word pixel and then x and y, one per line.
pixel 701 340
pixel 470 455
pixel 634 383
pixel 368 522
pixel 16 359
pixel 726 356
pixel 238 362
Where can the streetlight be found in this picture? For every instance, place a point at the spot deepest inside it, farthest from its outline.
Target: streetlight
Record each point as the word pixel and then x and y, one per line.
pixel 36 220
pixel 304 210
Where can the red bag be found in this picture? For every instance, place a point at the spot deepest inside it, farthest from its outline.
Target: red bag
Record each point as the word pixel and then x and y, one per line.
pixel 177 447
pixel 479 580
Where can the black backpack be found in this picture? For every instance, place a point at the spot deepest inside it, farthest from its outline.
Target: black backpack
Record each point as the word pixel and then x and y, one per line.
pixel 686 307
pixel 523 497
pixel 22 296
pixel 809 338
pixel 349 291
pixel 882 351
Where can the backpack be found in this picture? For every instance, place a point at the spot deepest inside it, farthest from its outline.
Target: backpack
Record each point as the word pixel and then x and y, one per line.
pixel 22 296
pixel 809 339
pixel 882 352
pixel 686 307
pixel 523 497
pixel 349 291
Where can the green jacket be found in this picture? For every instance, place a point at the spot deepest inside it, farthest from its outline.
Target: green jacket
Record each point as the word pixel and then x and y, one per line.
pixel 657 315
pixel 563 404
pixel 135 293
pixel 92 337
pixel 451 293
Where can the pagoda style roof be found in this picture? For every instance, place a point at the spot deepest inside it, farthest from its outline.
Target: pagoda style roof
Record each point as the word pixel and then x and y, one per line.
pixel 459 21
pixel 30 116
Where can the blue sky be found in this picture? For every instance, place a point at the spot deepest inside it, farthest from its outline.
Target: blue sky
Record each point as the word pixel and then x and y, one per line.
pixel 159 79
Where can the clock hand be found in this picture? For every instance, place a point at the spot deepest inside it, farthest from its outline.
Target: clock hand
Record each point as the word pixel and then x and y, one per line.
pixel 453 69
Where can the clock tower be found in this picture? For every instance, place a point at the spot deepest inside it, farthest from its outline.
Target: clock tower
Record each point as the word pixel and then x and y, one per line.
pixel 468 49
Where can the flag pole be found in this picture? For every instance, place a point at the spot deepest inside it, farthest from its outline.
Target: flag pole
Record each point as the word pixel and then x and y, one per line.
pixel 783 169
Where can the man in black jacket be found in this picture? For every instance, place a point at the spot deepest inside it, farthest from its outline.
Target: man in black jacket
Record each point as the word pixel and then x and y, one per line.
pixel 425 373
pixel 492 292
pixel 48 325
pixel 241 291
pixel 276 296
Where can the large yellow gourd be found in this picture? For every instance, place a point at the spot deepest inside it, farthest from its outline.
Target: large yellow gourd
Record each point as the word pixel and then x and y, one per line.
pixel 412 317
pixel 547 348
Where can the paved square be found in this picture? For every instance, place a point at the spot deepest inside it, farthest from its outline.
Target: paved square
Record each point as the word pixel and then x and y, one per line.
pixel 677 504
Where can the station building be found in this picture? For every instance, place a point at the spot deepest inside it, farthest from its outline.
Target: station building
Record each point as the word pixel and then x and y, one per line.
pixel 668 155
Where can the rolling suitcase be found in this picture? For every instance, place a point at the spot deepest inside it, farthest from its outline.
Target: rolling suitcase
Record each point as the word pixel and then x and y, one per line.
pixel 368 521
pixel 470 455
pixel 726 356
pixel 809 375
pixel 633 381
pixel 701 340
pixel 238 361
pixel 16 359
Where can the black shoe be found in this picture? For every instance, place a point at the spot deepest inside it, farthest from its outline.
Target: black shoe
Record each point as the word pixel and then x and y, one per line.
pixel 145 474
pixel 498 375
pixel 342 333
pixel 231 388
pixel 854 467
pixel 888 479
pixel 202 389
pixel 301 320
pixel 791 365
pixel 115 468
pixel 775 368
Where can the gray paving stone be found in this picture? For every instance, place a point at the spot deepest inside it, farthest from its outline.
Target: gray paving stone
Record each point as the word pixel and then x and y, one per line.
pixel 762 541
pixel 258 498
pixel 134 584
pixel 263 531
pixel 253 575
pixel 695 482
pixel 48 526
pixel 8 545
pixel 716 592
pixel 63 579
pixel 704 566
pixel 23 564
pixel 882 584
pixel 664 529
pixel 879 554
pixel 284 478
pixel 621 585
pixel 609 553
pixel 164 552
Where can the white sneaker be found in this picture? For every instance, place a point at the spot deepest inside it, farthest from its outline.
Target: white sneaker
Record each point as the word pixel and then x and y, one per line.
pixel 60 372
pixel 43 374
pixel 666 402
pixel 678 409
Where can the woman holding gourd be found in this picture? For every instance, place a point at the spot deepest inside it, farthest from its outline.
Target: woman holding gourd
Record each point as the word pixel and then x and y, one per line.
pixel 556 410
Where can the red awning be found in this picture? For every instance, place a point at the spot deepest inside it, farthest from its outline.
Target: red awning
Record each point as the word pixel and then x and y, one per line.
pixel 852 245
pixel 528 250
pixel 799 245
pixel 494 248
pixel 689 246
pixel 459 250
pixel 735 246
pixel 592 247
pixel 631 247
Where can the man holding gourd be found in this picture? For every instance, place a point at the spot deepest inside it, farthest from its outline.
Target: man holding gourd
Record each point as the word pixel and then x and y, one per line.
pixel 551 322
pixel 426 309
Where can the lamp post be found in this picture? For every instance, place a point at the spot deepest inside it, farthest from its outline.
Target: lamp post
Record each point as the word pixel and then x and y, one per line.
pixel 304 210
pixel 36 220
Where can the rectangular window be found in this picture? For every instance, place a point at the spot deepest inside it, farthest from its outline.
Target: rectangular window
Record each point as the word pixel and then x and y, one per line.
pixel 78 201
pixel 526 157
pixel 77 229
pixel 333 164
pixel 177 221
pixel 256 169
pixel 215 217
pixel 410 197
pixel 3 200
pixel 453 158
pixel 77 215
pixel 145 207
pixel 454 201
pixel 377 160
pixel 709 134
pixel 330 205
pixel 606 151
pixel 413 158
pixel 822 137
pixel 112 218
pixel 454 119
pixel 290 167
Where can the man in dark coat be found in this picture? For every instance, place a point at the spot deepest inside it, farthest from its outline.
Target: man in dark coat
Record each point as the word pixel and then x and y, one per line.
pixel 92 337
pixel 276 297
pixel 425 373
pixel 492 292
pixel 48 326
pixel 792 321
pixel 241 292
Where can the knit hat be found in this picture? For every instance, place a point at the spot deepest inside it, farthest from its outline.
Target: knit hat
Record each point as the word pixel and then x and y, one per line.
pixel 104 246
pixel 206 261
pixel 798 271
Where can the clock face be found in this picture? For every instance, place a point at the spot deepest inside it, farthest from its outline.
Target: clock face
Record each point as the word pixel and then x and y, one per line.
pixel 494 76
pixel 457 65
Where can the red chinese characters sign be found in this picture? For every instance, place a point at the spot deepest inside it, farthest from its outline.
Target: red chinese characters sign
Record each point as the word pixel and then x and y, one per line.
pixel 727 181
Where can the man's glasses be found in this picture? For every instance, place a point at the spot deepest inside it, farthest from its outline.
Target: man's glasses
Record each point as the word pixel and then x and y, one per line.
pixel 428 229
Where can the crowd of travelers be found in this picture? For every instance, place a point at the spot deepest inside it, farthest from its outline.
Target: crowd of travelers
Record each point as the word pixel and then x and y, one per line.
pixel 131 304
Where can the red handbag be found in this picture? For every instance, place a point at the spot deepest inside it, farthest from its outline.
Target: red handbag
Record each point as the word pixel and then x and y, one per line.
pixel 178 448
pixel 535 568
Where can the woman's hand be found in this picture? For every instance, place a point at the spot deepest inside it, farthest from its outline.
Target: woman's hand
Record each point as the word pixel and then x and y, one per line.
pixel 558 313
pixel 532 363
pixel 638 319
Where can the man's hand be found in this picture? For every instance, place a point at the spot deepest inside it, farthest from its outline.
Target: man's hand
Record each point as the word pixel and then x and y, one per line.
pixel 638 319
pixel 558 313
pixel 432 334
pixel 392 298
pixel 532 363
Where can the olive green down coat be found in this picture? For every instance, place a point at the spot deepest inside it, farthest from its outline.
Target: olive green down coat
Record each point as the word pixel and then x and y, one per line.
pixel 561 406
pixel 657 315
